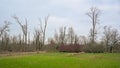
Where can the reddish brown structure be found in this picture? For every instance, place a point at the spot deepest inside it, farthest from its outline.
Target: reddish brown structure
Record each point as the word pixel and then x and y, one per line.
pixel 70 48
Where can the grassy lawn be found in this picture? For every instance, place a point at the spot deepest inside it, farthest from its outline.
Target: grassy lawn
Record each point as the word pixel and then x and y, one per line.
pixel 62 60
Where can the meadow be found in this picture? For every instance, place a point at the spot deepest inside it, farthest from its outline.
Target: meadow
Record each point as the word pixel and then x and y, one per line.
pixel 62 60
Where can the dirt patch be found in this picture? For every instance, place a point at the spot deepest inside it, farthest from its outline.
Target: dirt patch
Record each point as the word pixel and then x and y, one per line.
pixel 75 54
pixel 20 53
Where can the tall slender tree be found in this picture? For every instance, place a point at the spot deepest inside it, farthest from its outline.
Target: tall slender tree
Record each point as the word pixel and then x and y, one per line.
pixel 43 29
pixel 23 27
pixel 93 14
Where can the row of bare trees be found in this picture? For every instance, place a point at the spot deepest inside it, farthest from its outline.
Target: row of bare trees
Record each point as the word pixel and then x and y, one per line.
pixel 65 36
pixel 110 41
pixel 22 42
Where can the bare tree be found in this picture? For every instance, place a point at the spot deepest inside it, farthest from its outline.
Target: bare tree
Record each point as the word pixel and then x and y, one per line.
pixel 43 29
pixel 4 28
pixel 110 38
pixel 14 43
pixel 83 40
pixel 76 39
pixel 23 27
pixel 56 38
pixel 5 41
pixel 38 39
pixel 4 37
pixel 94 14
pixel 71 35
pixel 62 36
pixel 106 37
pixel 20 40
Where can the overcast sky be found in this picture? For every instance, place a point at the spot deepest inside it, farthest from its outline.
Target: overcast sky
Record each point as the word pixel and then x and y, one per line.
pixel 69 13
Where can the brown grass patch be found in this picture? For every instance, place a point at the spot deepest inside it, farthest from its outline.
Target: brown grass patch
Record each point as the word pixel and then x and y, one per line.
pixel 20 53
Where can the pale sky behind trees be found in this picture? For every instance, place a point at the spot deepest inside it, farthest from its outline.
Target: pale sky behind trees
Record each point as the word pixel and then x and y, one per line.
pixel 69 13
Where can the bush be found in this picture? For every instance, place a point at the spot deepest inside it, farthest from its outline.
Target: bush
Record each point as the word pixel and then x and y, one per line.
pixel 94 48
pixel 50 48
pixel 116 49
pixel 70 48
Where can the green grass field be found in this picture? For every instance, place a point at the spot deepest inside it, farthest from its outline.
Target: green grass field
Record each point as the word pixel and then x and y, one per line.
pixel 62 60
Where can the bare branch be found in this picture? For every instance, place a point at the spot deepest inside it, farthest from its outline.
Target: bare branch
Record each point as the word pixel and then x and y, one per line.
pixel 4 28
pixel 23 27
pixel 41 25
pixel 17 20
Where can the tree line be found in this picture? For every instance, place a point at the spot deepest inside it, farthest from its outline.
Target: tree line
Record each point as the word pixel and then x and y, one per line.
pixel 110 41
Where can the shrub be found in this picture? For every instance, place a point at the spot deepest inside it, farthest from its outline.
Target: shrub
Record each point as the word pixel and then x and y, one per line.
pixel 94 48
pixel 70 48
